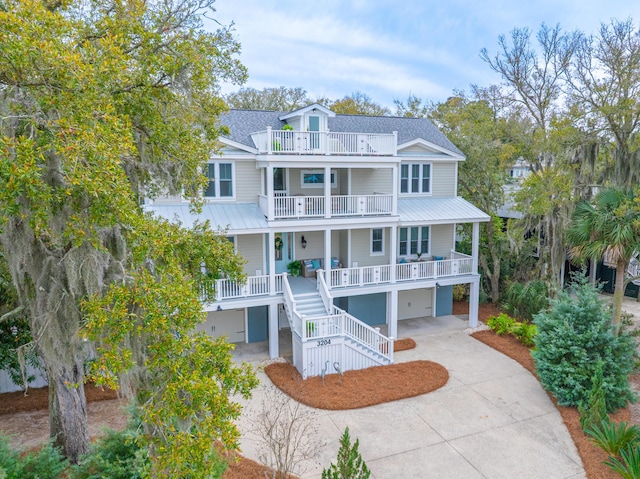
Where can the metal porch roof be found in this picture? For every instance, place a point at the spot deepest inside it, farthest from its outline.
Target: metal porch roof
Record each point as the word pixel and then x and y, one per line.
pixel 237 217
pixel 438 211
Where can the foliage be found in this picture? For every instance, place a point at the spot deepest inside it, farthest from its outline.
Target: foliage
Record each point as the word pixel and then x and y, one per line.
pixel 349 464
pixel 594 410
pixel 574 336
pixel 609 227
pixel 413 108
pixel 358 103
pixel 278 99
pixel 628 466
pixel 100 107
pixel 459 292
pixel 295 268
pixel 46 463
pixel 614 438
pixel 117 455
pixel 501 324
pixel 525 333
pixel 526 300
pixel 287 432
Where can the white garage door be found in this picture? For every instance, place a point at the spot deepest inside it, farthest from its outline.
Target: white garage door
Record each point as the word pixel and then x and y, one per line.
pixel 225 323
pixel 416 303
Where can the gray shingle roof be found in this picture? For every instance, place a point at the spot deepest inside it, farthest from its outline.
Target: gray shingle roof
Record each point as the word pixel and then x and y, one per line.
pixel 242 123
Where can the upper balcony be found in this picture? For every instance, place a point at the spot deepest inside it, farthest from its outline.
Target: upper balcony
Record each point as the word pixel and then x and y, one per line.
pixel 292 142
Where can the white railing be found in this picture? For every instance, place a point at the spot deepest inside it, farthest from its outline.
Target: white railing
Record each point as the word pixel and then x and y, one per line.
pixel 314 206
pixel 254 286
pixel 325 143
pixel 419 270
pixel 295 319
pixel 323 290
pixel 364 334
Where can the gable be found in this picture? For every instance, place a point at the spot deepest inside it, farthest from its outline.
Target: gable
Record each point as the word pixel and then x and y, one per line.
pixel 420 147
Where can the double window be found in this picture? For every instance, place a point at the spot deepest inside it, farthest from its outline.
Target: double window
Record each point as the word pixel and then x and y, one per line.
pixel 220 177
pixel 413 240
pixel 415 178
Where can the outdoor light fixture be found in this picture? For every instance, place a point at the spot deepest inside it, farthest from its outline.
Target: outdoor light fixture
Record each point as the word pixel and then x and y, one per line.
pixel 437 286
pixel 303 242
pixel 219 308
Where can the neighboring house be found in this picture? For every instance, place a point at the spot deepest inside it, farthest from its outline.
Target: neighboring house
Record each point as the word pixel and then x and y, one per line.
pixel 368 205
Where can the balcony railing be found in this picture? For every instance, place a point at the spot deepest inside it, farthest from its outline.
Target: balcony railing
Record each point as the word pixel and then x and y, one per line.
pixel 286 207
pixel 290 142
pixel 255 286
pixel 419 270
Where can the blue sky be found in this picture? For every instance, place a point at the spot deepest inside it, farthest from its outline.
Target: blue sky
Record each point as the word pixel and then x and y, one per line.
pixel 388 49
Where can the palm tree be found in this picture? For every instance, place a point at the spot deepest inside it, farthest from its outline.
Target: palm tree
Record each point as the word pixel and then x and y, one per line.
pixel 609 227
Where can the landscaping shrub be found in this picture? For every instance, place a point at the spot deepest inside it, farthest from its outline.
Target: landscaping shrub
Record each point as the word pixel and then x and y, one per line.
pixel 613 438
pixel 526 300
pixel 525 332
pixel 350 464
pixel 46 463
pixel 501 324
pixel 459 292
pixel 594 410
pixel 574 336
pixel 628 465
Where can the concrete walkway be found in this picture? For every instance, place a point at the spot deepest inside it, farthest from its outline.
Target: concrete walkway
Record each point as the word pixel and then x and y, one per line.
pixel 491 420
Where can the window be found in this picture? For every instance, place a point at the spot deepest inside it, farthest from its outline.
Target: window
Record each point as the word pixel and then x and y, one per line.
pixel 220 177
pixel 415 178
pixel 315 179
pixel 377 241
pixel 413 240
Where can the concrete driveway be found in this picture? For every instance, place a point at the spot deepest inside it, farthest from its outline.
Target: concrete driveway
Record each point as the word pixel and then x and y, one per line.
pixel 491 420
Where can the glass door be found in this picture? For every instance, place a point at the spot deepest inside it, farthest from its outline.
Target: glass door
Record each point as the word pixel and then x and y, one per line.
pixel 283 251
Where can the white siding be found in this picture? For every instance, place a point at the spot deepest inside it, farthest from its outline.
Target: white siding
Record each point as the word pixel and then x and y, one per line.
pixel 225 323
pixel 315 244
pixel 247 181
pixel 361 248
pixel 295 175
pixel 369 181
pixel 250 247
pixel 441 240
pixel 443 179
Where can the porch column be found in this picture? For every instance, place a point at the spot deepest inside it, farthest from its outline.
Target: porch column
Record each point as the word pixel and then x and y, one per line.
pixel 392 313
pixel 327 192
pixel 474 298
pixel 271 240
pixel 270 206
pixel 274 347
pixel 327 257
pixel 394 190
pixel 475 239
pixel 393 249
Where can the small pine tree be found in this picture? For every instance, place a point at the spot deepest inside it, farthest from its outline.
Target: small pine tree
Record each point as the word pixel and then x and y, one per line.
pixel 594 410
pixel 350 463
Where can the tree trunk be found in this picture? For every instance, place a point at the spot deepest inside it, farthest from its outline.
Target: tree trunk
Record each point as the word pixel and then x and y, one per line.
pixel 618 293
pixel 68 411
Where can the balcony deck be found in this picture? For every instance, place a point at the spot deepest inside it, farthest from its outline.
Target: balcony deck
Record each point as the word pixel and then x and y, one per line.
pixel 290 207
pixel 290 142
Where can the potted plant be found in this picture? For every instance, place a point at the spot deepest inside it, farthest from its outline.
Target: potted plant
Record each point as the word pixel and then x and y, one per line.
pixel 295 268
pixel 419 255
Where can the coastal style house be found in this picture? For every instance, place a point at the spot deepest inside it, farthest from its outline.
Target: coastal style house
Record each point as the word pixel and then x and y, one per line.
pixel 347 223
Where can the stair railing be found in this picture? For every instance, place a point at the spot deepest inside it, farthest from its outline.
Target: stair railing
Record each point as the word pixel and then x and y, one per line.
pixel 295 318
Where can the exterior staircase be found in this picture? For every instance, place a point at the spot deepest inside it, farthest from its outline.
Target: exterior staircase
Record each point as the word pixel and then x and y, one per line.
pixel 322 332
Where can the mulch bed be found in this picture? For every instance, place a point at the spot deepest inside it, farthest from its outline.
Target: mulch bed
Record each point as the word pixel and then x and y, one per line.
pixel 362 388
pixel 403 344
pixel 38 398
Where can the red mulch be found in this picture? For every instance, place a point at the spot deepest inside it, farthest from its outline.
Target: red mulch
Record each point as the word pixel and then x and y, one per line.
pixel 38 398
pixel 362 388
pixel 403 344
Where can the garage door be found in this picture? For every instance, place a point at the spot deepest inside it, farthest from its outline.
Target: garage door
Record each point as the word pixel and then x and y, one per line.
pixel 225 323
pixel 416 303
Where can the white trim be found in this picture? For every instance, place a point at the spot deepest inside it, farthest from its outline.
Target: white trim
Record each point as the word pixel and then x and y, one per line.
pixel 307 109
pixel 240 146
pixel 217 162
pixel 433 146
pixel 376 253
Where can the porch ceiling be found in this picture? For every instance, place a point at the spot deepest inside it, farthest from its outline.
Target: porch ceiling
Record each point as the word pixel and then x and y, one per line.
pixel 438 211
pixel 237 217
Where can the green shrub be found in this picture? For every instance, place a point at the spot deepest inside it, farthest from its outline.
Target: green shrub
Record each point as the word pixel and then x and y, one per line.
pixel 526 300
pixel 46 463
pixel 594 410
pixel 525 332
pixel 501 324
pixel 459 292
pixel 628 466
pixel 573 337
pixel 613 438
pixel 350 464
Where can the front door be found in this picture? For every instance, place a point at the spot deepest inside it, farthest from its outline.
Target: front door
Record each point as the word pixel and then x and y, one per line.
pixel 283 251
pixel 280 182
pixel 314 135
